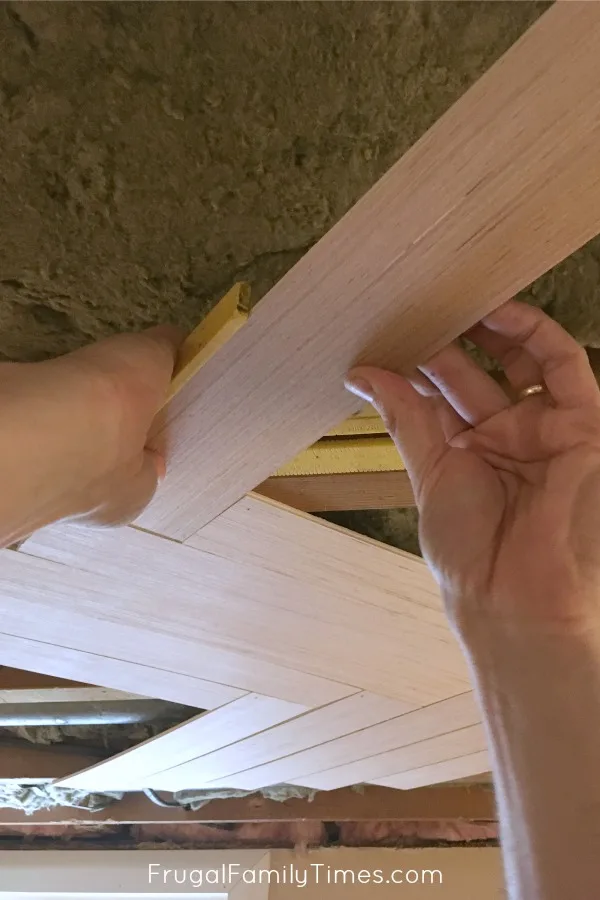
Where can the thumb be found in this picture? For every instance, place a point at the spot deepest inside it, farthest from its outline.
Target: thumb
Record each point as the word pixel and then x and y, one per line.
pixel 409 417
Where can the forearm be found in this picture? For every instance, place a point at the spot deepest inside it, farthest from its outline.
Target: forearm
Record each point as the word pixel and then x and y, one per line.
pixel 43 456
pixel 541 698
pixel 30 497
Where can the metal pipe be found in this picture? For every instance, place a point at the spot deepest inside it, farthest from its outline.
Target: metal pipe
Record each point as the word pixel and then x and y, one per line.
pixel 115 712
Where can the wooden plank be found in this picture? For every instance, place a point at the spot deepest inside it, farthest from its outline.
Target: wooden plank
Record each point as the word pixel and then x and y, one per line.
pixel 435 750
pixel 498 191
pixel 269 535
pixel 450 770
pixel 419 725
pixel 370 804
pixel 313 728
pixel 322 604
pixel 121 674
pixel 328 493
pixel 134 620
pixel 207 732
pixel 23 763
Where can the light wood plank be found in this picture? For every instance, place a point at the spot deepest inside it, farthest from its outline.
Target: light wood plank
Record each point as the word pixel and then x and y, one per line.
pixel 450 770
pixel 270 536
pixel 133 769
pixel 338 621
pixel 419 725
pixel 120 674
pixel 313 728
pixel 328 493
pixel 435 750
pixel 499 190
pixel 134 619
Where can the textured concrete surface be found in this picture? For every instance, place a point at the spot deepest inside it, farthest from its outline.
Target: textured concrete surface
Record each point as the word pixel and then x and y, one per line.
pixel 152 153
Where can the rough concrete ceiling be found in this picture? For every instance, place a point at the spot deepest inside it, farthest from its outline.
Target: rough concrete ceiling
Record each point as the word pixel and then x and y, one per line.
pixel 152 153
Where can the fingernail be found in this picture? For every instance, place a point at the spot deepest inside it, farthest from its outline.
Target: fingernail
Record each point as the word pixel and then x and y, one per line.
pixel 161 467
pixel 361 387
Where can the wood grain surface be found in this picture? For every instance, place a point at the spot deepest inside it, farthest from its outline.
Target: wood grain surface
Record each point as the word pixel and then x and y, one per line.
pixel 48 653
pixel 120 620
pixel 132 769
pixel 437 749
pixel 461 767
pixel 293 608
pixel 314 728
pixel 355 750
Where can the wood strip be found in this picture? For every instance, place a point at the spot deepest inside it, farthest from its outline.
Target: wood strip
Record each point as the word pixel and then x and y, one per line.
pixel 499 190
pixel 370 804
pixel 120 674
pixel 435 750
pixel 332 456
pixel 419 725
pixel 314 728
pixel 207 732
pixel 131 619
pixel 329 493
pixel 311 602
pixel 450 770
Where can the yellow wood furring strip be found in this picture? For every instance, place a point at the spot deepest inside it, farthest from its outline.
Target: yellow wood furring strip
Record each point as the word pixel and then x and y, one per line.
pixel 333 456
pixel 221 323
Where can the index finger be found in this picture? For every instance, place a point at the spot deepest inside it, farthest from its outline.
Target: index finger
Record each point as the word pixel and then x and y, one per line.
pixel 565 367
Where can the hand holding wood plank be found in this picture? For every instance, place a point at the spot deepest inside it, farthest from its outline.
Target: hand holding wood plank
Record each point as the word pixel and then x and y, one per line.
pixel 74 430
pixel 500 482
pixel 509 494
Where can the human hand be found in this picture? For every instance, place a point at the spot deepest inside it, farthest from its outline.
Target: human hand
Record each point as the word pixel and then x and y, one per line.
pixel 508 493
pixel 72 444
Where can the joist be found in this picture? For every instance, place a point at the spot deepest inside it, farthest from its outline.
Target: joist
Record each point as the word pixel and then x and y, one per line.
pixel 370 804
pixel 132 769
pixel 357 748
pixel 283 622
pixel 449 770
pixel 23 763
pixel 461 742
pixel 500 189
